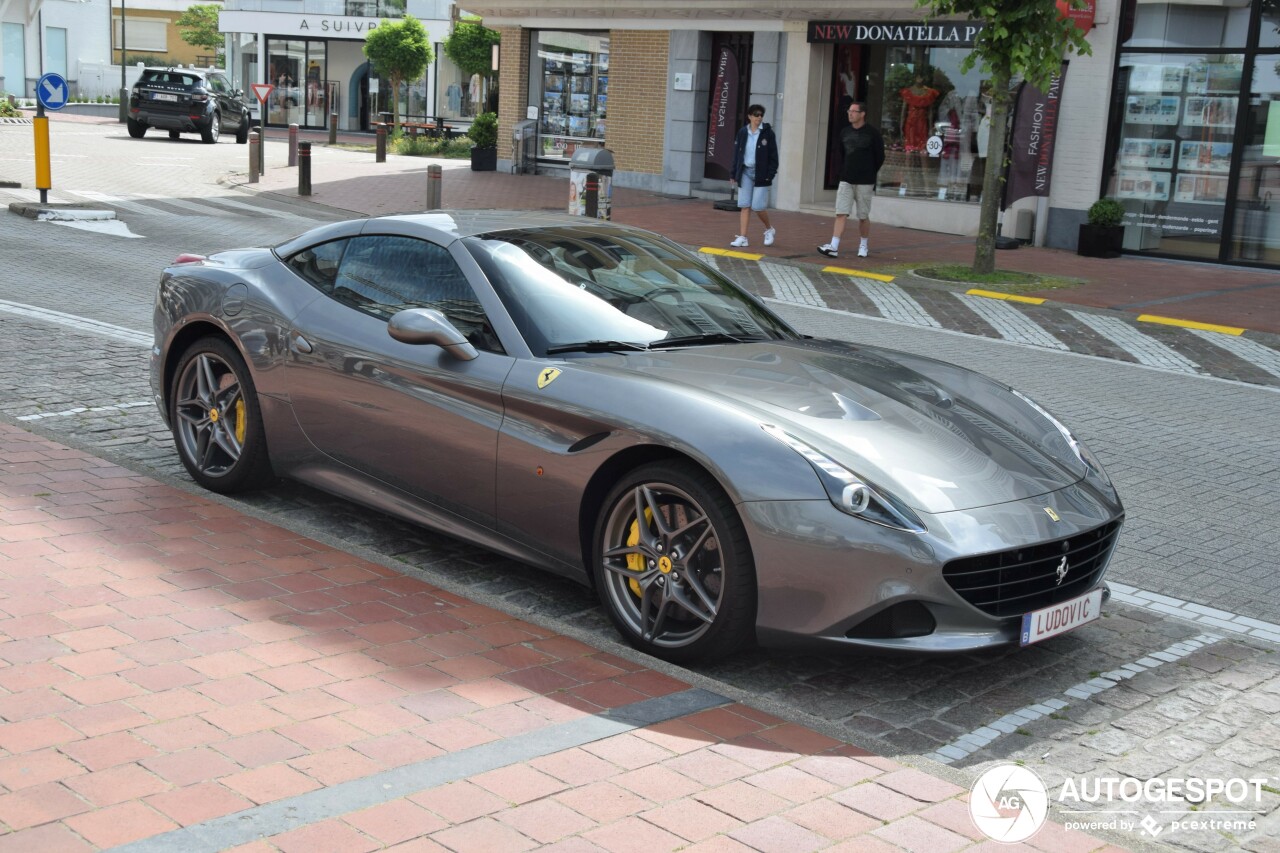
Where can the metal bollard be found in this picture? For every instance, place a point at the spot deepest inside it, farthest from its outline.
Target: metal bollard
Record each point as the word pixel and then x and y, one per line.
pixel 434 186
pixel 333 128
pixel 304 168
pixel 591 195
pixel 253 156
pixel 381 156
pixel 293 144
pixel 262 151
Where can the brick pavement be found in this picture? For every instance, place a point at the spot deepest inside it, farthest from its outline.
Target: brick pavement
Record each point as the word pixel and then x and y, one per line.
pixel 172 669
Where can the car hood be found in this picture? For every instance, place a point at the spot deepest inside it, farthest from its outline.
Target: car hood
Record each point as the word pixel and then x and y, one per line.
pixel 939 437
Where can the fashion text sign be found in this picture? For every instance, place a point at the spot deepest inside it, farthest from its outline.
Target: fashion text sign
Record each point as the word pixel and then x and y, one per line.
pixel 720 129
pixel 1035 129
pixel 890 32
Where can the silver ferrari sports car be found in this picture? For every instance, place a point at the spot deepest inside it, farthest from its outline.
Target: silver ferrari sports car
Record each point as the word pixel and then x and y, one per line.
pixel 594 400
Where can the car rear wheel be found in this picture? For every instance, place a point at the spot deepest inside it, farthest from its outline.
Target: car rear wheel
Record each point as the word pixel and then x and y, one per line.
pixel 211 133
pixel 137 129
pixel 673 566
pixel 217 423
pixel 173 134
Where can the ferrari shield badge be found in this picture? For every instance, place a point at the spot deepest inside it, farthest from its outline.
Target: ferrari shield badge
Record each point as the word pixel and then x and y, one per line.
pixel 1047 510
pixel 547 376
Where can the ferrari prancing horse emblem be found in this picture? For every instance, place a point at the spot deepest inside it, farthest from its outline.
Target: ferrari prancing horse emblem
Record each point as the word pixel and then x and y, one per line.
pixel 1049 511
pixel 547 376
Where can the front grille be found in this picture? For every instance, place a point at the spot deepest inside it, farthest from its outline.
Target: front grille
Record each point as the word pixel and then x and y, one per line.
pixel 1010 583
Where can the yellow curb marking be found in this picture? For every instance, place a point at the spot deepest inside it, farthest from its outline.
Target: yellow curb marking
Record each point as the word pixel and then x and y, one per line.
pixel 1190 324
pixel 729 253
pixel 860 273
pixel 1008 297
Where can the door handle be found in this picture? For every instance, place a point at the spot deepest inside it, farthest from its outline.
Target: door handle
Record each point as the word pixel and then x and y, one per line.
pixel 298 343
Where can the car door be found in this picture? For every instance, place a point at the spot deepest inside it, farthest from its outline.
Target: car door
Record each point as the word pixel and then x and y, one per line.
pixel 411 416
pixel 228 106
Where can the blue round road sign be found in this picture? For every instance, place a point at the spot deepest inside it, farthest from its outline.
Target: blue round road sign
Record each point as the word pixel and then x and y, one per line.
pixel 52 92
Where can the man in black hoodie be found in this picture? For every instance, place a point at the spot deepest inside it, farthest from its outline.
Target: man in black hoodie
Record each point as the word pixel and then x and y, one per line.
pixel 863 157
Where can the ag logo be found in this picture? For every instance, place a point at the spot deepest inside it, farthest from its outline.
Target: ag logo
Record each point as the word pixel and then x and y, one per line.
pixel 1009 803
pixel 547 376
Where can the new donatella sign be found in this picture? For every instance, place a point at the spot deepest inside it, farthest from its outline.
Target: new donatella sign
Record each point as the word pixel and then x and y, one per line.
pixel 1035 130
pixel 951 33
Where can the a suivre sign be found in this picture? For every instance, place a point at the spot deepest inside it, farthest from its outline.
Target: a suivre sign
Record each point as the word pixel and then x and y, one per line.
pixel 954 33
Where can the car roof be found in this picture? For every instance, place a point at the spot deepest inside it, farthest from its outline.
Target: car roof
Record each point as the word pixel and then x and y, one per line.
pixel 469 223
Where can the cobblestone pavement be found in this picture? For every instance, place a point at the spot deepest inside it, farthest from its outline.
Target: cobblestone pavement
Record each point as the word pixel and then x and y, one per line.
pixel 1138 693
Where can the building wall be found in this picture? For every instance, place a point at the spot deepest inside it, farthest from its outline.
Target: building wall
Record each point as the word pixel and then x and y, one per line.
pixel 638 99
pixel 177 51
pixel 1078 153
pixel 513 87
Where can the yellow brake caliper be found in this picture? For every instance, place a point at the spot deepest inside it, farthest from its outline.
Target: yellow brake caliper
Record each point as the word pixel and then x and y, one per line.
pixel 241 422
pixel 635 562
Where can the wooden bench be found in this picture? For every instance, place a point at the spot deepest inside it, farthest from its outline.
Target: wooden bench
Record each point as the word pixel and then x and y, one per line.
pixel 428 128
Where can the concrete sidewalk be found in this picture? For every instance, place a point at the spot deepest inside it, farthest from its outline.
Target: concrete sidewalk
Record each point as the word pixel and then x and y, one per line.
pixel 1197 292
pixel 177 675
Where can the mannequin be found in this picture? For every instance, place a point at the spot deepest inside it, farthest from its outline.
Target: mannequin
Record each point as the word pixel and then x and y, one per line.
pixel 978 170
pixel 916 118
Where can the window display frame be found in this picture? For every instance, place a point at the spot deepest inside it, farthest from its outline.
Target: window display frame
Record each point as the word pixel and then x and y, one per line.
pixel 570 88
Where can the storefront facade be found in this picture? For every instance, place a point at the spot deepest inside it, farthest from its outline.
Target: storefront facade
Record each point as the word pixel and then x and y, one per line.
pixel 669 86
pixel 1193 151
pixel 315 61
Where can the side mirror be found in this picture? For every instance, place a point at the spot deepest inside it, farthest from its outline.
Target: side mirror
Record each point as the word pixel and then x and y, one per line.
pixel 428 326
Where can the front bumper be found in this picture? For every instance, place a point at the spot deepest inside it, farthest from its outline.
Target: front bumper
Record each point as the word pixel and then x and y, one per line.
pixel 827 578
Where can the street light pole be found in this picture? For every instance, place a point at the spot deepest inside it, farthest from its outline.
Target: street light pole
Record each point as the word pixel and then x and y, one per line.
pixel 124 90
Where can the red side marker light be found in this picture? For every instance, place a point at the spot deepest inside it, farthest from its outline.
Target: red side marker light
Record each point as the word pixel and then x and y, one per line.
pixel 188 258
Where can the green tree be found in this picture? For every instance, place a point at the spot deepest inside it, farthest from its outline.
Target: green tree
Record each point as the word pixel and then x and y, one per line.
pixel 470 46
pixel 199 26
pixel 1022 38
pixel 400 52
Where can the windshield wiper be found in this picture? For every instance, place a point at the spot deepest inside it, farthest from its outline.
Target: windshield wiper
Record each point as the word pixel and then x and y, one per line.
pixel 596 346
pixel 709 338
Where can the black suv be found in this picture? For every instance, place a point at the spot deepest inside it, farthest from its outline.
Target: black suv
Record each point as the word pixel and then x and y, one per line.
pixel 187 100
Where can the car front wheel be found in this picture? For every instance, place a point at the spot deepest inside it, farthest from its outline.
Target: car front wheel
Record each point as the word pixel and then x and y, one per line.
pixel 217 423
pixel 211 133
pixel 673 566
pixel 242 132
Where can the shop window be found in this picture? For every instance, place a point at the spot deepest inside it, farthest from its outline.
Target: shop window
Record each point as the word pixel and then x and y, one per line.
pixel 573 70
pixel 1175 148
pixel 916 94
pixel 1256 213
pixel 1216 23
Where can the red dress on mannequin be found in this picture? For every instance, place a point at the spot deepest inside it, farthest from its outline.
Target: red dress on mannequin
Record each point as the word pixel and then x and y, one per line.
pixel 915 128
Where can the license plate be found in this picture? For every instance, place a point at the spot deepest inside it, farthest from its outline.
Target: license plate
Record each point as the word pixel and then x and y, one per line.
pixel 160 96
pixel 1061 618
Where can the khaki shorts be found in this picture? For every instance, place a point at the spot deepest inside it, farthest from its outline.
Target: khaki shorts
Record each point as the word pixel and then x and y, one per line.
pixel 849 195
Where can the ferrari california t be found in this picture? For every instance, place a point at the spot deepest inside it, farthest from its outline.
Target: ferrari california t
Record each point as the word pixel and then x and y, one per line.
pixel 596 401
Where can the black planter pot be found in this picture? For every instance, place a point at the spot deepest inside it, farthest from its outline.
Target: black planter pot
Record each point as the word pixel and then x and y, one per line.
pixel 1100 241
pixel 484 159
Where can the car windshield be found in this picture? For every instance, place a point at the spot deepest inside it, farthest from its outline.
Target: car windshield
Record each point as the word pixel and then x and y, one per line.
pixel 611 289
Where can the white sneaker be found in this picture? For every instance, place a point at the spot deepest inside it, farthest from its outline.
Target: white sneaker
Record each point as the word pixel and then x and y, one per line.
pixel 769 234
pixel 739 242
pixel 862 251
pixel 828 250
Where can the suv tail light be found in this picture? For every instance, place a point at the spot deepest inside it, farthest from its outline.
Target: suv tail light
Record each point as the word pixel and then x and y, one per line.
pixel 199 97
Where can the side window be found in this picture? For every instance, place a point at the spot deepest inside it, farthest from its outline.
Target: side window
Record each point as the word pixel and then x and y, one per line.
pixel 319 264
pixel 218 84
pixel 381 275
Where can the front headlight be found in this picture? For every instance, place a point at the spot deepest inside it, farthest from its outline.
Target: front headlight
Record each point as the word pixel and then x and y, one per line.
pixel 849 492
pixel 1077 447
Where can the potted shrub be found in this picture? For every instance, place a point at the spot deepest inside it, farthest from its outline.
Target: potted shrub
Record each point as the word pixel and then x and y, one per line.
pixel 484 138
pixel 1103 235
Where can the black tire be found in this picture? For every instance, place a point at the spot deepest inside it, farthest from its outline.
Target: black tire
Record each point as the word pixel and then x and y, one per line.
pixel 136 128
pixel 242 132
pixel 211 133
pixel 682 590
pixel 173 134
pixel 216 420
